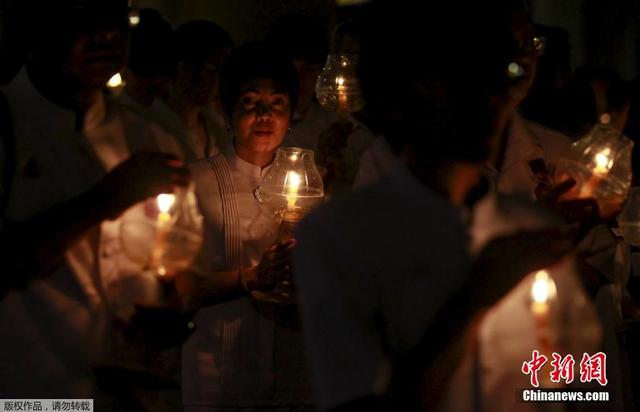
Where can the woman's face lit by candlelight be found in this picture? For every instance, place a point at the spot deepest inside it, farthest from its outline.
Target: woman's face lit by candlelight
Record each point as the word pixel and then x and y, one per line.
pixel 261 116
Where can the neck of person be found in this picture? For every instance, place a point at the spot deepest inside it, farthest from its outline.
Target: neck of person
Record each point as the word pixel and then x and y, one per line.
pixel 451 179
pixel 62 88
pixel 136 91
pixel 261 159
pixel 303 108
pixel 497 156
pixel 188 111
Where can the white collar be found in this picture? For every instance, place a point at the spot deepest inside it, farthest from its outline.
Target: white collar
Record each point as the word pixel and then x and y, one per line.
pixel 244 167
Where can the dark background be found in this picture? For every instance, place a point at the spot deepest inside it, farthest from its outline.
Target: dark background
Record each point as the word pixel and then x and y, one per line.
pixel 602 32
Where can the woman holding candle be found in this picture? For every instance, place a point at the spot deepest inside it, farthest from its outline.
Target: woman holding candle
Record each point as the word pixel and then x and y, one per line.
pixel 239 358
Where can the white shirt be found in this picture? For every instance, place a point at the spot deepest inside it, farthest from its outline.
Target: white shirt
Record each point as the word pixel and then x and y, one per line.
pixel 237 357
pixel 373 269
pixel 489 378
pixel 507 334
pixel 318 129
pixel 305 131
pixel 194 149
pixel 60 326
pixel 527 141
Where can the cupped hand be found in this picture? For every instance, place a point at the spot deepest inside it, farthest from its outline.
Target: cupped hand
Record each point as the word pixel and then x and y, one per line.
pixel 275 266
pixel 143 175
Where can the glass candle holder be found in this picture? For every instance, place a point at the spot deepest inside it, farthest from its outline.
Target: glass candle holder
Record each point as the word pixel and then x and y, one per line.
pixel 338 86
pixel 291 188
pixel 163 234
pixel 293 185
pixel 600 163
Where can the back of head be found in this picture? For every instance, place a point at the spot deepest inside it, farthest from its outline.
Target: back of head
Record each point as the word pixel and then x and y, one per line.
pixel 428 75
pixel 199 40
pixel 81 42
pixel 347 36
pixel 254 61
pixel 300 37
pixel 152 46
pixel 50 22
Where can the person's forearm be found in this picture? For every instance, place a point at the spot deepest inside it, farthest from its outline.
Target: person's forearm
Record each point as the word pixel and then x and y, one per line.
pixel 221 286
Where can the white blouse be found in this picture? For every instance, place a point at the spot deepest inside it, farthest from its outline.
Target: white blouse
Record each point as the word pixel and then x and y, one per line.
pixel 238 357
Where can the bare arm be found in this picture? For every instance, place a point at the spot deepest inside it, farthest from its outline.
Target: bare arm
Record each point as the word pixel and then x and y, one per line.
pixel 196 291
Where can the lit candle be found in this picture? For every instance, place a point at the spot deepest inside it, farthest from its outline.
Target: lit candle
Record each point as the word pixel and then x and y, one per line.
pixel 165 202
pixel 342 93
pixel 603 163
pixel 292 184
pixel 542 292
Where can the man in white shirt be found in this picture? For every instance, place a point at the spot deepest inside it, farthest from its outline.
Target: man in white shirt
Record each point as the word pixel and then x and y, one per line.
pixel 74 171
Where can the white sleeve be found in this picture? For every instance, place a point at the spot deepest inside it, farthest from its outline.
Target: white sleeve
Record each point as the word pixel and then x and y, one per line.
pixel 343 333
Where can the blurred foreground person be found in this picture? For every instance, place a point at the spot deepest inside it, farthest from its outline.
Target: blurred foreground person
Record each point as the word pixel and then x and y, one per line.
pixel 74 170
pixel 507 334
pixel 377 268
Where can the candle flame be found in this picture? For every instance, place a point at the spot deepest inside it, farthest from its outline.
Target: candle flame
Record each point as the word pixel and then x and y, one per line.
pixel 515 70
pixel 603 161
pixel 134 18
pixel 165 202
pixel 544 288
pixel 340 81
pixel 115 81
